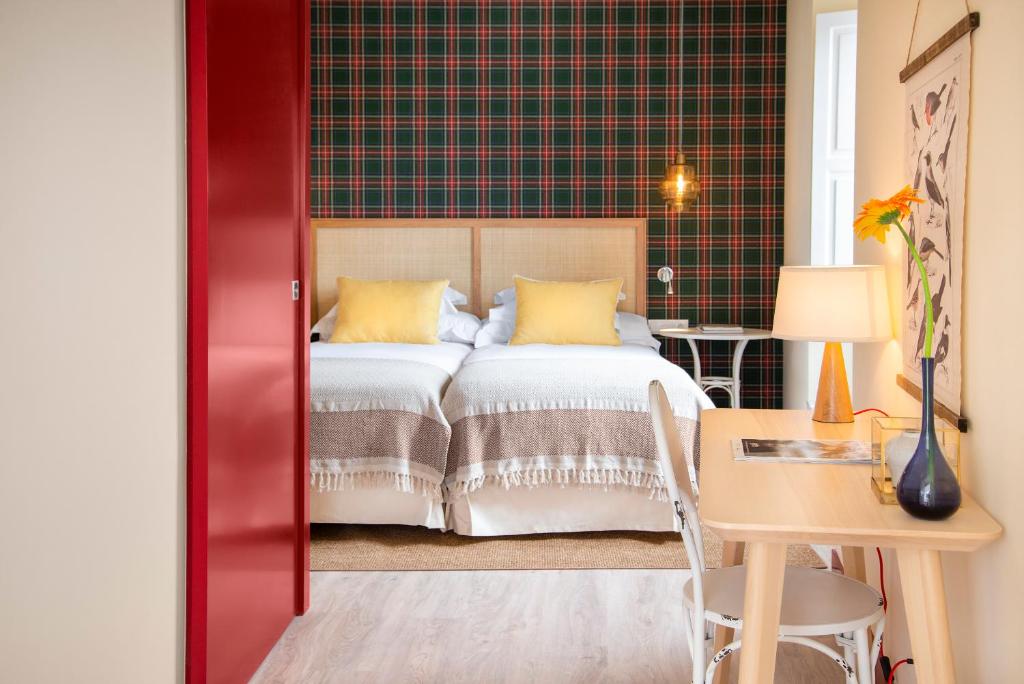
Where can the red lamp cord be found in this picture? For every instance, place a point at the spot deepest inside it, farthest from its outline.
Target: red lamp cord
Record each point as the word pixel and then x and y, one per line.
pixel 892 673
pixel 857 413
pixel 885 608
pixel 885 599
pixel 881 582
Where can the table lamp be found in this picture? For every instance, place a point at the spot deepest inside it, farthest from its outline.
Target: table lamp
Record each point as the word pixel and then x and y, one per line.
pixel 832 304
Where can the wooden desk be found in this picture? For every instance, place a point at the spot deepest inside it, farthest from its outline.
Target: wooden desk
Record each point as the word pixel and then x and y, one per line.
pixel 770 505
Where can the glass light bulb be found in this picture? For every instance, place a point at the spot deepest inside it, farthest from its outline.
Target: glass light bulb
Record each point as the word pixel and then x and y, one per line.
pixel 680 184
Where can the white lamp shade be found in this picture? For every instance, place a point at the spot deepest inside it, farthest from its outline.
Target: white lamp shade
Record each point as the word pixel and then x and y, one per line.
pixel 832 304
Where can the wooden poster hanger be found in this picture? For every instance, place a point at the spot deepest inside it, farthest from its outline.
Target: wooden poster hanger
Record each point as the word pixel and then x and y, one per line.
pixel 970 22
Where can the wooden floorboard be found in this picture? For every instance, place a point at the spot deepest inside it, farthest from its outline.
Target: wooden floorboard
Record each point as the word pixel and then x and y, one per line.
pixel 586 626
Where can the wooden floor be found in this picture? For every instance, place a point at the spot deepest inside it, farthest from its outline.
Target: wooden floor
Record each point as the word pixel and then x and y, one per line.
pixel 541 626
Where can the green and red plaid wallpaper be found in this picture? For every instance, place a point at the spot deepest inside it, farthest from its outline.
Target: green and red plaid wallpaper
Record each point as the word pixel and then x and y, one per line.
pixel 548 108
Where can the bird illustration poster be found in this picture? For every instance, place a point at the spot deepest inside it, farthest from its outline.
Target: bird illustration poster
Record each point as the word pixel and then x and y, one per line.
pixel 937 110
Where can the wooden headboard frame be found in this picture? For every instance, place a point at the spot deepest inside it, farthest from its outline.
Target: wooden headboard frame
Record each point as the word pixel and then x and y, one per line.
pixel 479 256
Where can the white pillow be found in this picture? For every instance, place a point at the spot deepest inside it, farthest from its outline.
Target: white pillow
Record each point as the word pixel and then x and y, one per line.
pixel 634 329
pixel 325 326
pixel 506 296
pixel 454 296
pixel 452 325
pixel 460 326
pixel 505 312
pixel 494 331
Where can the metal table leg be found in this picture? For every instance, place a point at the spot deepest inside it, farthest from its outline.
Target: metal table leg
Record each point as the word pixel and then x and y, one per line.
pixel 696 361
pixel 737 360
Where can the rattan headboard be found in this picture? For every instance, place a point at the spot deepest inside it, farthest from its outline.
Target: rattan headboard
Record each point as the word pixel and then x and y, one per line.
pixel 479 256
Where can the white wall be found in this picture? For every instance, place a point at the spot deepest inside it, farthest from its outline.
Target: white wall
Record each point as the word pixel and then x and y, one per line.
pixel 800 28
pixel 986 611
pixel 91 344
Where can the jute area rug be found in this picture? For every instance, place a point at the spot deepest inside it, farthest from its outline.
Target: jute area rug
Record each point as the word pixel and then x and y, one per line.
pixel 399 547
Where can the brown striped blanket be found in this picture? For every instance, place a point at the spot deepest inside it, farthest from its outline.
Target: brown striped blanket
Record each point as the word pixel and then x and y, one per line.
pixel 548 416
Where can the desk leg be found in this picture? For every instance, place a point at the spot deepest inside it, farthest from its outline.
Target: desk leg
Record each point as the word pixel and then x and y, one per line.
pixel 853 563
pixel 924 599
pixel 732 554
pixel 766 570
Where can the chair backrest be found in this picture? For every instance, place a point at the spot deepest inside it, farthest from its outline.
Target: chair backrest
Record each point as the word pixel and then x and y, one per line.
pixel 670 449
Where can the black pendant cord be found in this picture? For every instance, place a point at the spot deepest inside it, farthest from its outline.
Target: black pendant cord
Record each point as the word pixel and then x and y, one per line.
pixel 682 74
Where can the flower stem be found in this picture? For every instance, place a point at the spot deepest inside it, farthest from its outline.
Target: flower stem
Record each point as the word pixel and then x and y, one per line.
pixel 929 323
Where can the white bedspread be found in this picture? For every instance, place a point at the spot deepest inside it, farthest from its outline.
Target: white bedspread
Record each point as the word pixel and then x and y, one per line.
pixel 447 356
pixel 602 377
pixel 561 351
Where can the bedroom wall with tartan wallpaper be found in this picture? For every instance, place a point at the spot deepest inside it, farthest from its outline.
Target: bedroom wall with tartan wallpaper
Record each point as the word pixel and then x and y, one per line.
pixel 548 108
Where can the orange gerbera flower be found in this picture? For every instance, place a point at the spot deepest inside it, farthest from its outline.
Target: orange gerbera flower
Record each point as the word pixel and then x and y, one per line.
pixel 904 198
pixel 874 220
pixel 871 222
pixel 877 215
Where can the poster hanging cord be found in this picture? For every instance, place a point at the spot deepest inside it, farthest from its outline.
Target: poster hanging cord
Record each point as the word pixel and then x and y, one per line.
pixel 913 30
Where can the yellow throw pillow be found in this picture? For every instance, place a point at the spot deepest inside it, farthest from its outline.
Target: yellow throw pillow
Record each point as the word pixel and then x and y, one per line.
pixel 566 313
pixel 388 310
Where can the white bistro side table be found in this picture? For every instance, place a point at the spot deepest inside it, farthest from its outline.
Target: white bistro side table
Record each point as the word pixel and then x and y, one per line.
pixel 731 385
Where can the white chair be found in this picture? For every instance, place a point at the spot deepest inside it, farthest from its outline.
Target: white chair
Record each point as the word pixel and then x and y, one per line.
pixel 815 603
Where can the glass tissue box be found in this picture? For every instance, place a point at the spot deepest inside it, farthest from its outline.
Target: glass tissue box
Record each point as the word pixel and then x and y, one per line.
pixel 893 441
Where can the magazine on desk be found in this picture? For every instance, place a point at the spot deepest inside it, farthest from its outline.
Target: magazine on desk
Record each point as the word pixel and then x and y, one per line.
pixel 713 329
pixel 800 450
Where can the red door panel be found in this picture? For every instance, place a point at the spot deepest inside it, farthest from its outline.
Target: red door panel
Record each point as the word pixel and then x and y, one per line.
pixel 245 425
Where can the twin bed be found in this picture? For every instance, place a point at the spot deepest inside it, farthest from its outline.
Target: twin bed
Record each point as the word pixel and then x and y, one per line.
pixel 498 439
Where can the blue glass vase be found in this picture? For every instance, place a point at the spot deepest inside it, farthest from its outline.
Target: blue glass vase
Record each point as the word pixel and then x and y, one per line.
pixel 928 488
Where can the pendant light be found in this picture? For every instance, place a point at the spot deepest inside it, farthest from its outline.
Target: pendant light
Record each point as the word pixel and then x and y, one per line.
pixel 680 187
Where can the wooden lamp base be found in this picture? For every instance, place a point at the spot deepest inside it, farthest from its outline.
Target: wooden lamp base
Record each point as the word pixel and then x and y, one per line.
pixel 833 403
